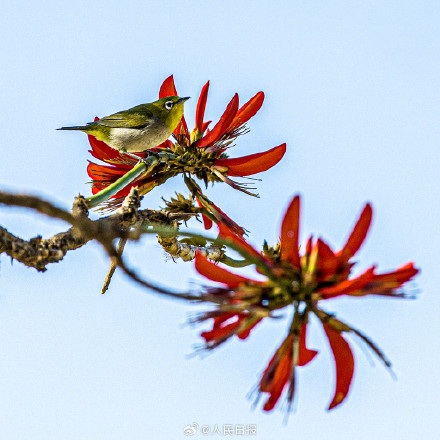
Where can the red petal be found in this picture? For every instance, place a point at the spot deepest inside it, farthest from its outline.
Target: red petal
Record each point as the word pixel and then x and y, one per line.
pixel 348 286
pixel 290 234
pixel 328 262
pixel 400 276
pixel 254 163
pixel 309 245
pixel 219 320
pixel 305 355
pixel 358 234
pixel 103 172
pixel 266 381
pixel 220 332
pixel 248 110
pixel 387 283
pixel 166 144
pixel 281 377
pixel 103 176
pixel 344 362
pixel 227 234
pixel 103 152
pixel 277 373
pixel 168 88
pixel 182 127
pixel 207 222
pixel 201 104
pixel 245 333
pixel 122 193
pixel 205 126
pixel 225 219
pixel 222 125
pixel 216 273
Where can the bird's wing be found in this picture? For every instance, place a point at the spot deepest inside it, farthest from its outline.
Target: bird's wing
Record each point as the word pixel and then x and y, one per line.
pixel 126 119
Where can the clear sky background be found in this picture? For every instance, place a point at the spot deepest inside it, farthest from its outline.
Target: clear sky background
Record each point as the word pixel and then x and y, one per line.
pixel 352 87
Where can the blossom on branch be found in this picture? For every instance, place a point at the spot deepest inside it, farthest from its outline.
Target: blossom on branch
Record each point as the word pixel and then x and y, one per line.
pixel 303 281
pixel 201 153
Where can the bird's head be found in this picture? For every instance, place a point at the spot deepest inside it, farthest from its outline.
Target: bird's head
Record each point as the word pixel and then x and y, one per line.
pixel 169 110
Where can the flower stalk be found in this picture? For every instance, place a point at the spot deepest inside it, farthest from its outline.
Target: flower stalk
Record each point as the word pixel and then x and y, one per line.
pixel 145 167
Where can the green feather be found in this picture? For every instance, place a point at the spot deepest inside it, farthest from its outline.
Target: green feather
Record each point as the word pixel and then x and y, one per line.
pixel 154 121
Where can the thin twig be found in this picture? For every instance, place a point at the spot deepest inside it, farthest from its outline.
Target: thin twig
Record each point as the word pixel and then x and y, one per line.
pixel 113 265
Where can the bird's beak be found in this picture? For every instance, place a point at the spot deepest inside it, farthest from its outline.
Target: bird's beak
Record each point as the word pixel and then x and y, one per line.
pixel 183 100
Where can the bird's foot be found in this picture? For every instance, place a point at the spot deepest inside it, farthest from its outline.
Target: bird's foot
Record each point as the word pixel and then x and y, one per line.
pixel 134 156
pixel 152 154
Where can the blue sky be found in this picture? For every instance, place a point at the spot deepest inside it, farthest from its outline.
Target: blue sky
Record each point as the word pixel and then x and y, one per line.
pixel 352 87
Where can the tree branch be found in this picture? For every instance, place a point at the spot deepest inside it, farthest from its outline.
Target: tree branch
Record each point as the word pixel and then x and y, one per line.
pixel 38 252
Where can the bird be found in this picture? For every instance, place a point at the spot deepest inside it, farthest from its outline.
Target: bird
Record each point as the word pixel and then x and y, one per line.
pixel 139 128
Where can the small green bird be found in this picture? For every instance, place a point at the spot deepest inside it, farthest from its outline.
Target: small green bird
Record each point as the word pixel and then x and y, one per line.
pixel 139 128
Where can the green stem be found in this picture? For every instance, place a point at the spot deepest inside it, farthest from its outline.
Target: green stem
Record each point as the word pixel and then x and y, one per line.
pixel 123 181
pixel 234 263
pixel 249 258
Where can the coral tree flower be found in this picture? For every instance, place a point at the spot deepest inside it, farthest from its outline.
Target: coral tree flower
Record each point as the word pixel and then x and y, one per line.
pixel 211 144
pixel 305 281
pixel 201 153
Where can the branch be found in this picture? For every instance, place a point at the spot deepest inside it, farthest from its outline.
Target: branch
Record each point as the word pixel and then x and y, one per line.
pixel 38 252
pixel 187 252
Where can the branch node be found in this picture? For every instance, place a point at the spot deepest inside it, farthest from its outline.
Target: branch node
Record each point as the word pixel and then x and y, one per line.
pixel 80 207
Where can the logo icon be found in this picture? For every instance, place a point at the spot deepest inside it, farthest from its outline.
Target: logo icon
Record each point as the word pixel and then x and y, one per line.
pixel 190 429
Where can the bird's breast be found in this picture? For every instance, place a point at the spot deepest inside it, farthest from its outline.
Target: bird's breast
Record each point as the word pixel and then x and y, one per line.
pixel 136 140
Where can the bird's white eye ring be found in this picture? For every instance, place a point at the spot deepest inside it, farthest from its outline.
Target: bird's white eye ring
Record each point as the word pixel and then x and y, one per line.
pixel 169 105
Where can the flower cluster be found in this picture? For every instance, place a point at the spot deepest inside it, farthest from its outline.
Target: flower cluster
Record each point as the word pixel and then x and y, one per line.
pixel 288 278
pixel 201 153
pixel 303 281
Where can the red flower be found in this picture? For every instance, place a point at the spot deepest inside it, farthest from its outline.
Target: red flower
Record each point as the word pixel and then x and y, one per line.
pixel 201 153
pixel 227 129
pixel 220 216
pixel 237 320
pixel 281 369
pixel 119 164
pixel 302 281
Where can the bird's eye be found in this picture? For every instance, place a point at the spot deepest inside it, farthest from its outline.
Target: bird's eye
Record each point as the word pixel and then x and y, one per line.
pixel 169 105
